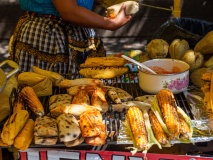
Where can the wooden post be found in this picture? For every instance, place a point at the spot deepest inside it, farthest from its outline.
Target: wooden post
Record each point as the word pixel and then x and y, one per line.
pixel 1 154
pixel 177 8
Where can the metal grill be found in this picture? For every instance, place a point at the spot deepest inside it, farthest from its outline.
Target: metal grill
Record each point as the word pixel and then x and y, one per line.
pixel 112 119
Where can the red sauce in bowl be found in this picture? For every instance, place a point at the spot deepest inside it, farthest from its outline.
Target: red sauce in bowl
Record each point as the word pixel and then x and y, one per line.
pixel 160 70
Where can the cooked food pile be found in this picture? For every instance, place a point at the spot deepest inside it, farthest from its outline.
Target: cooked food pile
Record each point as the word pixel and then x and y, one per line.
pixel 75 116
pixel 160 123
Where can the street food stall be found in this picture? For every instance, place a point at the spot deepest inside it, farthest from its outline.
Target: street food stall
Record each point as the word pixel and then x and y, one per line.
pixel 114 109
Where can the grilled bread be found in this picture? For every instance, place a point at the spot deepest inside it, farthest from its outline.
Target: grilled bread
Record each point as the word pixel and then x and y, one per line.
pixel 45 140
pixel 118 95
pixel 75 109
pixel 75 142
pixel 68 127
pixel 45 127
pixel 59 99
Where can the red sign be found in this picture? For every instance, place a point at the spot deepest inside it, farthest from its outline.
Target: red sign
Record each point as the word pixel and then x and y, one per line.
pixel 38 154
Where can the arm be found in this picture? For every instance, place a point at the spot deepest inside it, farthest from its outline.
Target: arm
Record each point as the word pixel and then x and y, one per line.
pixel 71 12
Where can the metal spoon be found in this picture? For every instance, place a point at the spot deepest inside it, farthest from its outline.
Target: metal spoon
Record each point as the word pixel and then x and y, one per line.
pixel 139 64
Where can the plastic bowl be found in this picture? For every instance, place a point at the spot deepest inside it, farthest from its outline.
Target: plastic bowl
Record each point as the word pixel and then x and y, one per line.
pixel 176 82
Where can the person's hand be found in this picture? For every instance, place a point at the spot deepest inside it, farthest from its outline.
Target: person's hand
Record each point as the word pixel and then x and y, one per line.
pixel 72 13
pixel 121 19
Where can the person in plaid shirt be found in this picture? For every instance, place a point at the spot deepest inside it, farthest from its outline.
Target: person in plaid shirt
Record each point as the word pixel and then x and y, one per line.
pixel 58 35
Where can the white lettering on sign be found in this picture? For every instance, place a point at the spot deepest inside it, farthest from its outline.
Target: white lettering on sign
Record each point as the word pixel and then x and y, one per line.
pixel 93 156
pixel 135 158
pixel 118 157
pixel 58 155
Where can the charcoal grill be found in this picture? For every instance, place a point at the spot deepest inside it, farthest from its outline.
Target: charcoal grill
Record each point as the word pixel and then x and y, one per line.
pixel 129 83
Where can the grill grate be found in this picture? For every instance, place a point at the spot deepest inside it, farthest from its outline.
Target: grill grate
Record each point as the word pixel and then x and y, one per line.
pixel 129 83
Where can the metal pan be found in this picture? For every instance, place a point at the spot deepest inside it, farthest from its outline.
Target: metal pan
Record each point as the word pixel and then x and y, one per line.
pixel 3 76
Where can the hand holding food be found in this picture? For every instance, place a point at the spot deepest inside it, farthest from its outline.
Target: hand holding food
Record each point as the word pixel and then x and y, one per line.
pixel 132 7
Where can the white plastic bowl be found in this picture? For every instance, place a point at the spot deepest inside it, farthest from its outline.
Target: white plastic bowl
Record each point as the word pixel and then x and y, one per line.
pixel 176 82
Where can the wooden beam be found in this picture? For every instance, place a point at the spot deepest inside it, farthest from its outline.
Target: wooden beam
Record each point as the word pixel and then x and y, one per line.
pixel 1 154
pixel 177 8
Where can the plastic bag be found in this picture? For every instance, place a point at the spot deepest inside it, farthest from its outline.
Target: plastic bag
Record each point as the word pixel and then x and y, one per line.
pixel 192 30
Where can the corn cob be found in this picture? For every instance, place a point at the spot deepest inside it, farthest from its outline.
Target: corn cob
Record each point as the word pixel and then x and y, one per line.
pixel 53 76
pixel 19 105
pixel 168 109
pixel 184 128
pixel 28 94
pixel 30 78
pixel 210 103
pixel 157 129
pixel 25 136
pixel 137 125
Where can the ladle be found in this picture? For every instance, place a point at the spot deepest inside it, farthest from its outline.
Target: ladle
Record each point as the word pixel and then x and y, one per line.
pixel 139 64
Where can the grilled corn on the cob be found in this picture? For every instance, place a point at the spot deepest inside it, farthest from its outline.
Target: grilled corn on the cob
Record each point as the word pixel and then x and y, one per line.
pixel 157 129
pixel 168 109
pixel 137 125
pixel 18 105
pixel 28 94
pixel 184 128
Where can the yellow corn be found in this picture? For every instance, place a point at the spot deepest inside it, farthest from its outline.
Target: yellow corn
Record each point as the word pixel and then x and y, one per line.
pixel 157 129
pixel 168 109
pixel 30 97
pixel 18 105
pixel 184 128
pixel 137 124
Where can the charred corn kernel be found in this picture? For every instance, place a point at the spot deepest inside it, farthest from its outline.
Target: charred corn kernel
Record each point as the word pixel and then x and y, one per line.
pixel 168 109
pixel 184 128
pixel 28 94
pixel 18 105
pixel 157 129
pixel 137 124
